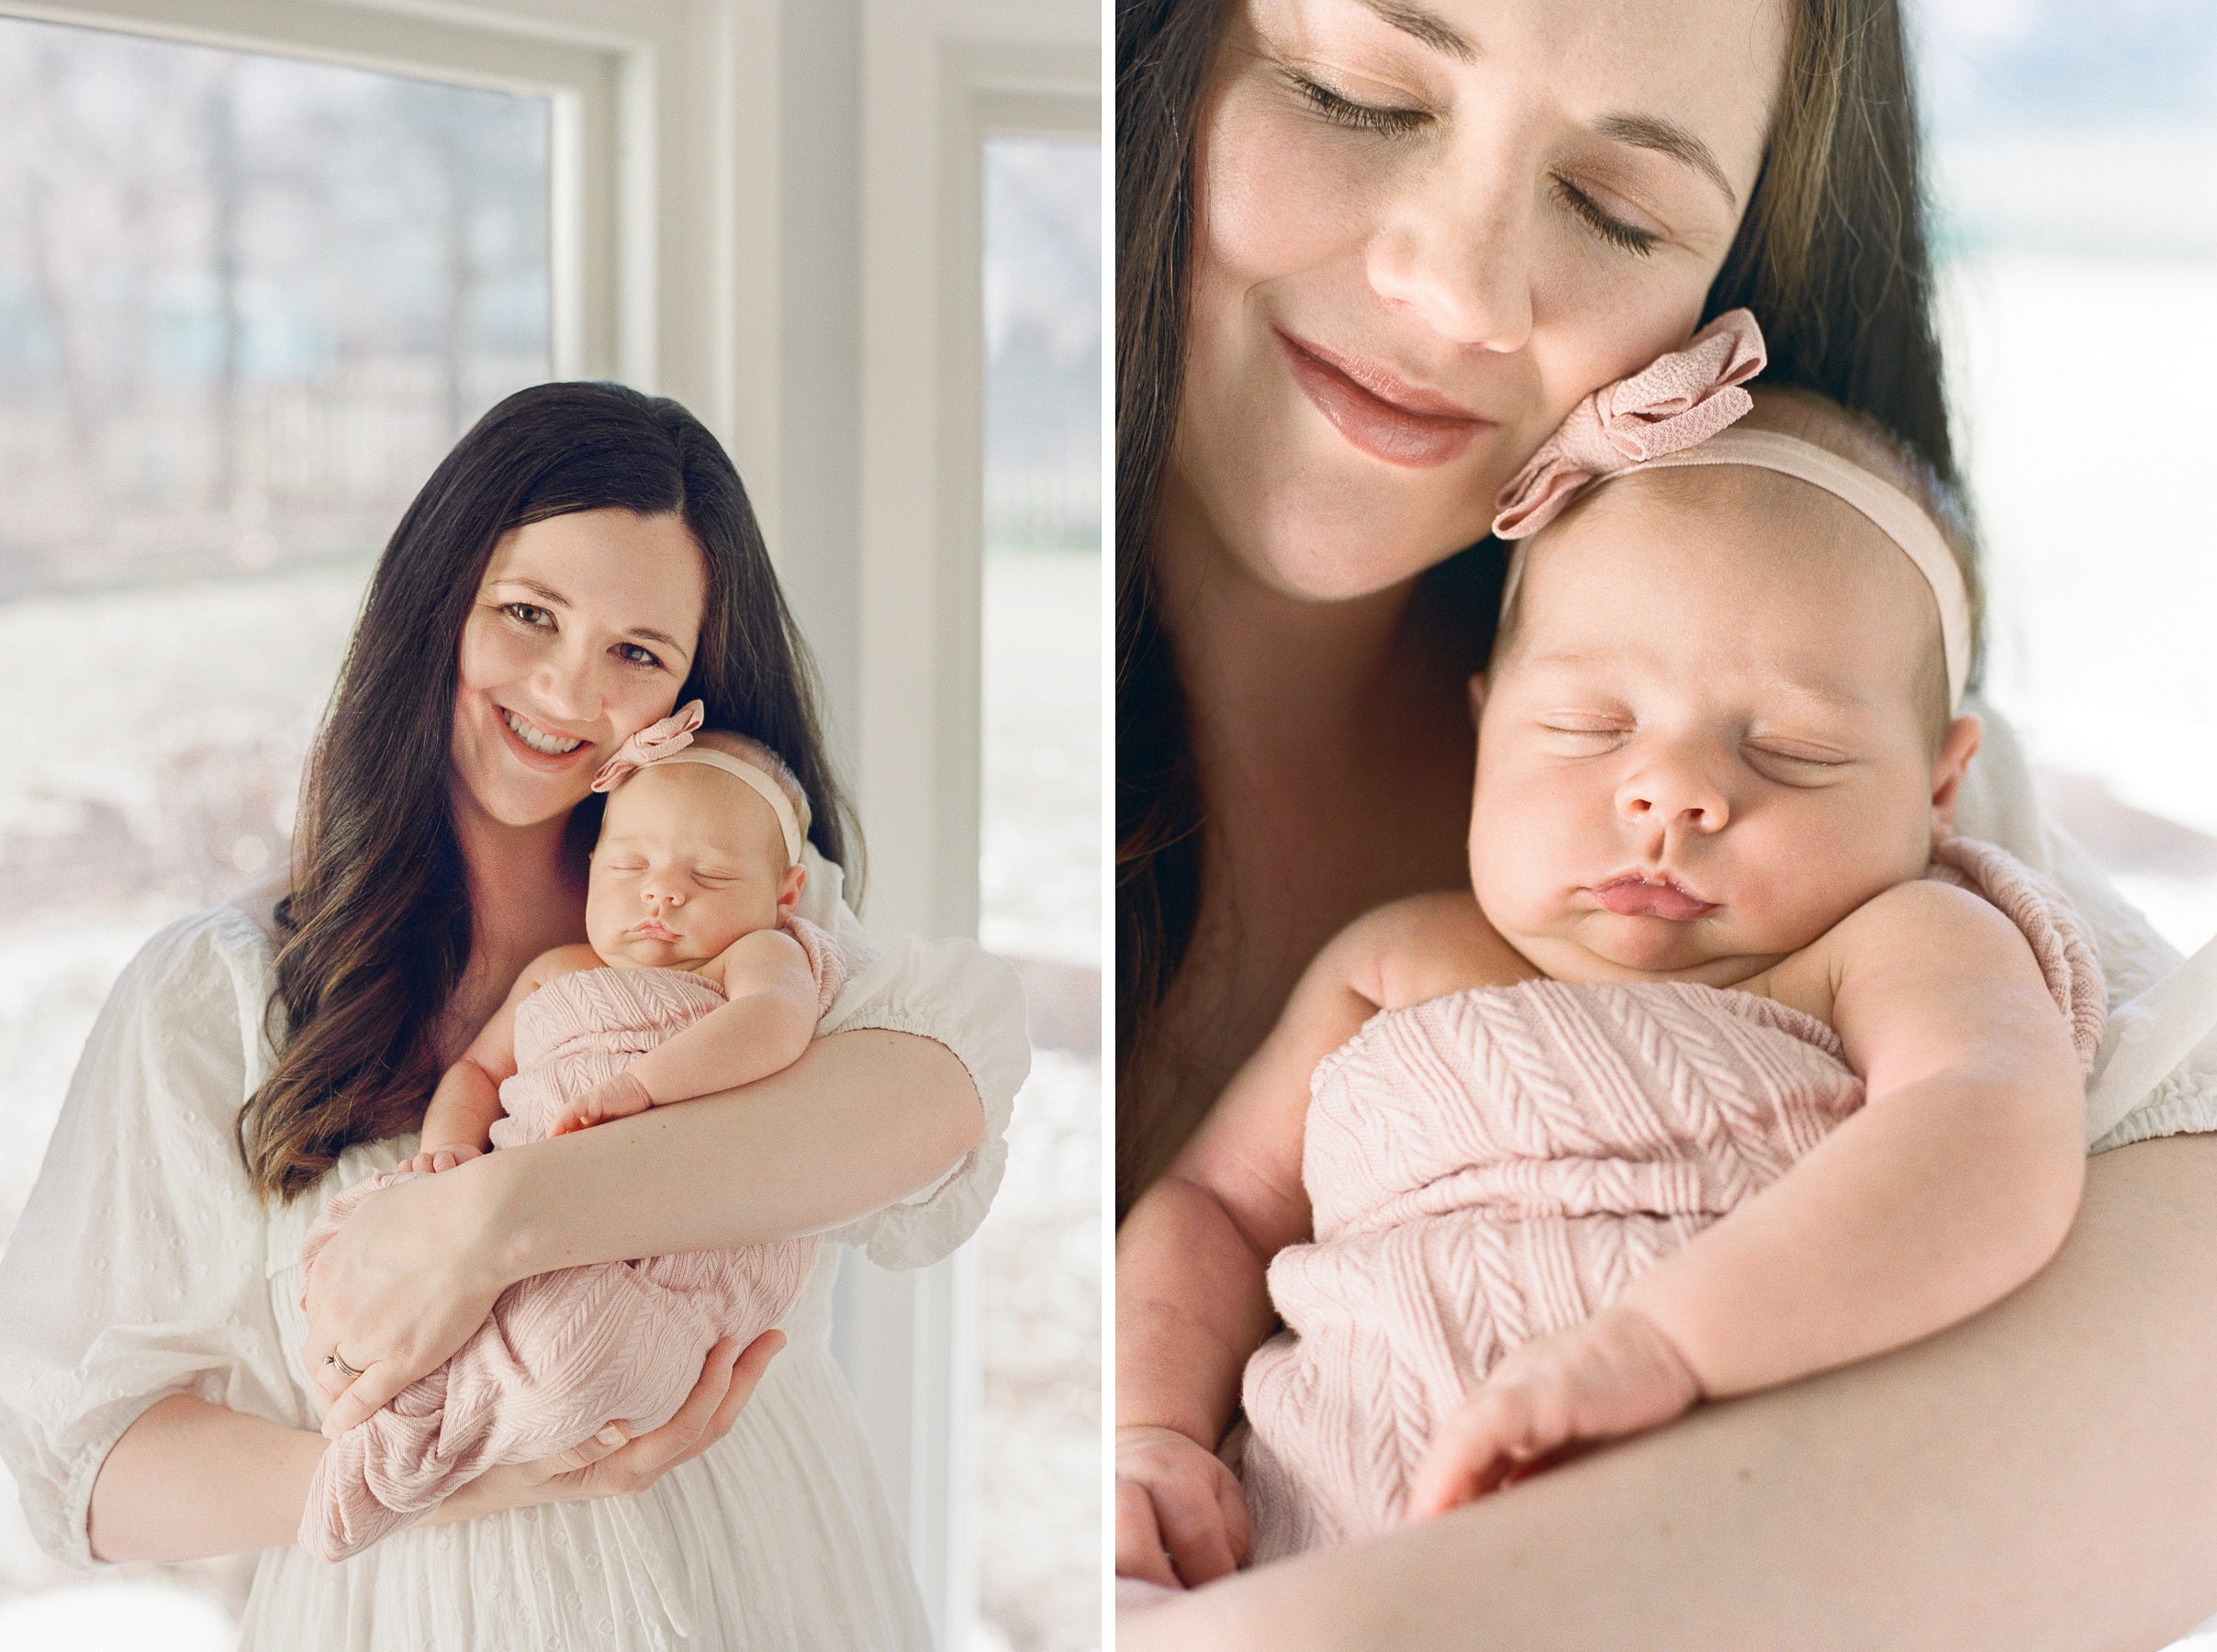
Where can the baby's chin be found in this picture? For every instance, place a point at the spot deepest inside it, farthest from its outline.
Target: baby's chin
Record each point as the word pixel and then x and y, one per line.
pixel 1606 946
pixel 641 952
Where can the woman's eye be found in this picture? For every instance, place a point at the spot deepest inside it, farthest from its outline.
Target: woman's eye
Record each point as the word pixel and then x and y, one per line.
pixel 1345 111
pixel 1615 230
pixel 529 614
pixel 633 654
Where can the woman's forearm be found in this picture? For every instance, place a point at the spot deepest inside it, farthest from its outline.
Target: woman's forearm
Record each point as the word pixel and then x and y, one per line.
pixel 189 1479
pixel 2042 1478
pixel 862 1120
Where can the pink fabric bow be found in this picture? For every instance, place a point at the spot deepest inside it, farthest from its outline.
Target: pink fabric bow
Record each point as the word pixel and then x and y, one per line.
pixel 651 744
pixel 1676 401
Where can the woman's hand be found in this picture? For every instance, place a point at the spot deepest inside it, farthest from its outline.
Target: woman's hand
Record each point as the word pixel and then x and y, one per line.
pixel 1617 1374
pixel 1180 1515
pixel 610 1465
pixel 398 1287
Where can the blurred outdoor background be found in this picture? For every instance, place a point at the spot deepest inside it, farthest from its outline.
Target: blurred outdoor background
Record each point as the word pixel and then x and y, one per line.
pixel 2074 151
pixel 246 304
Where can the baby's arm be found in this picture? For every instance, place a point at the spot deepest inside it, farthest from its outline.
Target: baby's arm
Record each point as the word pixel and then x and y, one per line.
pixel 458 1125
pixel 769 1016
pixel 1951 1186
pixel 1191 1302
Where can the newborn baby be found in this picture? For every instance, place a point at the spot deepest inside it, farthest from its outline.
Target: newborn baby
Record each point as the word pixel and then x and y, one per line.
pixel 699 977
pixel 1730 1066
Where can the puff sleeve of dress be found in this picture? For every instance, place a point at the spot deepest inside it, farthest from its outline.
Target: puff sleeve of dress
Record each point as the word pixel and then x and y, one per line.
pixel 137 1271
pixel 2153 1001
pixel 958 995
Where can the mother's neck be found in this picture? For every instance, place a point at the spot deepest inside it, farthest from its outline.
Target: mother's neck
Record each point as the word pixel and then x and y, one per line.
pixel 527 889
pixel 1265 672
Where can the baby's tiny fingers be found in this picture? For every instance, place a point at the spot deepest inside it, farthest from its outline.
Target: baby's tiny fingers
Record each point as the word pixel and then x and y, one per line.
pixel 1140 1551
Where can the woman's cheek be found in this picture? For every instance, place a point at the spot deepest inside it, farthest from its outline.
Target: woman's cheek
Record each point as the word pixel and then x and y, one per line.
pixel 1281 194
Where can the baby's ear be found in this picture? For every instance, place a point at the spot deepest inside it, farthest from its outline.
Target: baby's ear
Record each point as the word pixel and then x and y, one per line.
pixel 788 891
pixel 1477 687
pixel 1957 747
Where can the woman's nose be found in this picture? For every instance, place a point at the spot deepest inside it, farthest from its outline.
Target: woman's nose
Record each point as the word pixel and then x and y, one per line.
pixel 566 684
pixel 1460 258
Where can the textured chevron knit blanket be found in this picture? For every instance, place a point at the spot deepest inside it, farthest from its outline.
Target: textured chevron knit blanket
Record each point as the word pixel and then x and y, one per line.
pixel 561 1352
pixel 1499 1164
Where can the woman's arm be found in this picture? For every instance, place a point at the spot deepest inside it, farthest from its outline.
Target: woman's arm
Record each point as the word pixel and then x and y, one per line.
pixel 862 1119
pixel 2042 1478
pixel 190 1479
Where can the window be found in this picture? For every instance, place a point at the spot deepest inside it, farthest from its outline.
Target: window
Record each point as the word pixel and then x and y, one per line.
pixel 246 304
pixel 1037 1441
pixel 2074 154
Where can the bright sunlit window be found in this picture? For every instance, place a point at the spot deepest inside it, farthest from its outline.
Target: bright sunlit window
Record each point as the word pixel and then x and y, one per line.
pixel 2075 177
pixel 246 304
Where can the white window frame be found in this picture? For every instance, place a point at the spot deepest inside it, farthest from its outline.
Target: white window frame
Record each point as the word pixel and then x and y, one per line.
pixel 687 262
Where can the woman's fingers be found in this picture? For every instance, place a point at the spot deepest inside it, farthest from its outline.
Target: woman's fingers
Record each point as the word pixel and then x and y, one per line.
pixel 361 1399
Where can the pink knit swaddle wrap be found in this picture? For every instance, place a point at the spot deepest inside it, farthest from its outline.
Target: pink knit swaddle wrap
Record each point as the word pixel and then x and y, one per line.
pixel 1499 1164
pixel 561 1352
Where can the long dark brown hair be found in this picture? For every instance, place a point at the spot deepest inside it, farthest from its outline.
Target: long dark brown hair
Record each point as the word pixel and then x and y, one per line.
pixel 376 933
pixel 1830 256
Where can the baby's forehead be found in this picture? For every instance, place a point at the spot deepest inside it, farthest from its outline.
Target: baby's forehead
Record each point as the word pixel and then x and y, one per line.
pixel 691 799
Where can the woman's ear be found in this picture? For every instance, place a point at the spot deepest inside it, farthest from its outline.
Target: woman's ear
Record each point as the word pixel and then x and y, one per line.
pixel 1477 687
pixel 1957 747
pixel 788 891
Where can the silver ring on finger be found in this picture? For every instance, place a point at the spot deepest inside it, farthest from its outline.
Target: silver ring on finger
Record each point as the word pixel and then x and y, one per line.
pixel 332 1359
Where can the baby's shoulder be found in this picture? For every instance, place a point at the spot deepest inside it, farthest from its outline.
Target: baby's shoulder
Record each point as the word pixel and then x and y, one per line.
pixel 756 959
pixel 1912 927
pixel 1423 947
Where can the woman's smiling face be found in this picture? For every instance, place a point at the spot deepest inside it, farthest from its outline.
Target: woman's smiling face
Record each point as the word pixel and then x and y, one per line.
pixel 583 632
pixel 1423 229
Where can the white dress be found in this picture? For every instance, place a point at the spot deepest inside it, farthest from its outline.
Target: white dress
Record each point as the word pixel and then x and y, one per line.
pixel 144 1266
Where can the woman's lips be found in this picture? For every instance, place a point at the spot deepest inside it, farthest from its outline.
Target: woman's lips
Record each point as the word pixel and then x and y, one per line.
pixel 1400 423
pixel 545 763
pixel 1635 896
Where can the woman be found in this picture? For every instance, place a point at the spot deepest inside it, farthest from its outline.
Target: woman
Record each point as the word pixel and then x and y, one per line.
pixel 585 558
pixel 1371 253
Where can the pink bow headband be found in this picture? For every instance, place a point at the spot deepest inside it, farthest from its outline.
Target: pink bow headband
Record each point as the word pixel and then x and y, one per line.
pixel 664 741
pixel 1675 411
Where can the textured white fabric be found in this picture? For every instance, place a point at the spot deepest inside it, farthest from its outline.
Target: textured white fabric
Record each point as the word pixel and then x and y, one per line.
pixel 144 1266
pixel 1998 805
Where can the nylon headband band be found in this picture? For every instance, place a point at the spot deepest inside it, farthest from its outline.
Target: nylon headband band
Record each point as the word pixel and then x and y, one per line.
pixel 1890 510
pixel 767 788
pixel 1893 512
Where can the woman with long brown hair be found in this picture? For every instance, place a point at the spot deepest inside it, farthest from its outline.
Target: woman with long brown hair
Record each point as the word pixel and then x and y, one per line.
pixel 1370 253
pixel 584 560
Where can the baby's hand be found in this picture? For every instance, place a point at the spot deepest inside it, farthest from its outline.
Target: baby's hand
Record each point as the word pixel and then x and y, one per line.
pixel 616 1097
pixel 1181 1516
pixel 440 1159
pixel 1614 1375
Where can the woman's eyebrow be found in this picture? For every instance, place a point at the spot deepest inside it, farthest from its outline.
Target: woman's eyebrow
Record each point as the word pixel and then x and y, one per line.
pixel 1425 27
pixel 1667 137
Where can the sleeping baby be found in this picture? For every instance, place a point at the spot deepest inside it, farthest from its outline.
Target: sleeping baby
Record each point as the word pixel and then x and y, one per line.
pixel 699 977
pixel 1731 1066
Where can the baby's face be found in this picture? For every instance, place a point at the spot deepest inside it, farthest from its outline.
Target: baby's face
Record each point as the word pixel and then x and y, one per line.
pixel 688 861
pixel 1701 746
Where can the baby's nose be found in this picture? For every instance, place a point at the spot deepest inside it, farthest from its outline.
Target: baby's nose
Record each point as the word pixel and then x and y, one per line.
pixel 666 896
